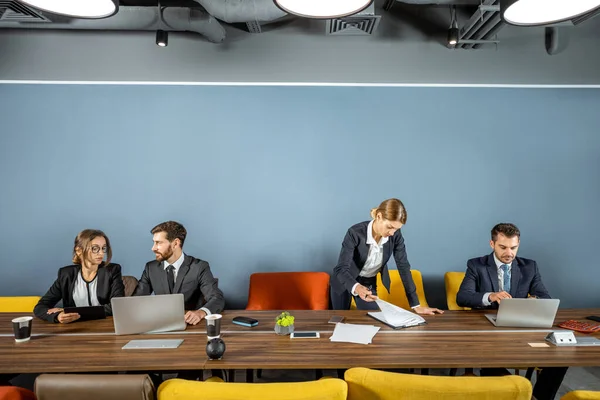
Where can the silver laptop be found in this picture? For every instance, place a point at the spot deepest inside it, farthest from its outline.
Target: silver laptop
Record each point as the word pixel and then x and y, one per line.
pixel 148 314
pixel 525 313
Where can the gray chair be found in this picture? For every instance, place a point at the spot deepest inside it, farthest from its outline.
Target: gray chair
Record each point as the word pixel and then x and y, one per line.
pixel 130 283
pixel 94 387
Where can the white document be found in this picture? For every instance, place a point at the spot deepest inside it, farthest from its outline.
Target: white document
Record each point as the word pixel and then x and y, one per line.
pixel 353 333
pixel 396 316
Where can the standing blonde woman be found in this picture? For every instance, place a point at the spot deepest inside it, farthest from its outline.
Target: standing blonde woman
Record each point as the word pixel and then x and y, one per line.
pixel 91 281
pixel 365 252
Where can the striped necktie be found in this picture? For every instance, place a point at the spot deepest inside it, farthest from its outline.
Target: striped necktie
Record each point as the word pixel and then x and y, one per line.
pixel 506 280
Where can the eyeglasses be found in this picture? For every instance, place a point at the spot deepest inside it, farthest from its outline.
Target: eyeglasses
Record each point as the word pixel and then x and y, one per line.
pixel 96 249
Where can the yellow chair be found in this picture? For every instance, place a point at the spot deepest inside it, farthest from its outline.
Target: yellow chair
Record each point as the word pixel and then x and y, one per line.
pixel 364 383
pixel 216 389
pixel 452 280
pixel 581 395
pixel 398 294
pixel 22 304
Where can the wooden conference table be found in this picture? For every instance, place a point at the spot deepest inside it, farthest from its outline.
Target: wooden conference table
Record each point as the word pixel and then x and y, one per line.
pixel 453 340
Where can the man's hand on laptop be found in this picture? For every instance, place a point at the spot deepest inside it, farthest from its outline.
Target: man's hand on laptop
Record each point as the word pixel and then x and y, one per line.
pixel 193 317
pixel 499 296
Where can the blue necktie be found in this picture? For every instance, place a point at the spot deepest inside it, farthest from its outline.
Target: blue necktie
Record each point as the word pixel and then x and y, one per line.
pixel 506 280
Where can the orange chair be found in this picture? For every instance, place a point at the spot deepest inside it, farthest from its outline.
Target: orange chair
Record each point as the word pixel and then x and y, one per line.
pixel 15 393
pixel 288 291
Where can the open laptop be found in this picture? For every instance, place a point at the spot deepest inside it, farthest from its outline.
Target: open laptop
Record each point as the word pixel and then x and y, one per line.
pixel 525 313
pixel 148 314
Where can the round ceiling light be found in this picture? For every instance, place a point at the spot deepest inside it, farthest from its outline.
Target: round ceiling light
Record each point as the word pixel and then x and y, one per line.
pixel 326 9
pixel 76 8
pixel 544 12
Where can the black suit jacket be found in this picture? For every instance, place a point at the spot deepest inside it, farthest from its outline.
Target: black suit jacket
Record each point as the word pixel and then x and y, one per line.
pixel 109 285
pixel 354 255
pixel 194 280
pixel 482 277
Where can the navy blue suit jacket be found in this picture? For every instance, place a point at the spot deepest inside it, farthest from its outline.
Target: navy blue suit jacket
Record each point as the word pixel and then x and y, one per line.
pixel 482 277
pixel 354 255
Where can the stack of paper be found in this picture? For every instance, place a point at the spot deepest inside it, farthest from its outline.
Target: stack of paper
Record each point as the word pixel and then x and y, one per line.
pixel 396 316
pixel 353 333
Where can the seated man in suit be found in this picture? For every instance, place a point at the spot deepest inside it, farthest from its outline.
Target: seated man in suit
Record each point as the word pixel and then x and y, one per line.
pixel 175 272
pixel 503 275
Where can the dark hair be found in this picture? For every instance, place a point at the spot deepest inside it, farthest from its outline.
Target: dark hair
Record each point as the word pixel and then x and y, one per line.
pixel 508 230
pixel 392 210
pixel 83 241
pixel 174 230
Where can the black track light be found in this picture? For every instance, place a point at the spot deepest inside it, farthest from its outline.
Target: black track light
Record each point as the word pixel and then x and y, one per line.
pixel 453 32
pixel 162 38
pixel 452 37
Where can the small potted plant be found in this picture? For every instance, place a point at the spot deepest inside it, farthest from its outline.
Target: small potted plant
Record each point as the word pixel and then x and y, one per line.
pixel 284 323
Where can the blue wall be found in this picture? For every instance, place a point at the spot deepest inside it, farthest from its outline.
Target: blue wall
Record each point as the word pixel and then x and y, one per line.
pixel 270 178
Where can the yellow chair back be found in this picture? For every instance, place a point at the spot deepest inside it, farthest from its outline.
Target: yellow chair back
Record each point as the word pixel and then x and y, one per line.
pixel 364 383
pixel 324 389
pixel 452 281
pixel 581 395
pixel 398 294
pixel 22 304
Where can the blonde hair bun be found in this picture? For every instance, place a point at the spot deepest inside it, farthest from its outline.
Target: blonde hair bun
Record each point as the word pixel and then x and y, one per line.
pixel 373 213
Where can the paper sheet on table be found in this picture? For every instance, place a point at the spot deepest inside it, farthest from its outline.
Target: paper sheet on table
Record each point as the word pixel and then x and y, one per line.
pixel 353 333
pixel 397 316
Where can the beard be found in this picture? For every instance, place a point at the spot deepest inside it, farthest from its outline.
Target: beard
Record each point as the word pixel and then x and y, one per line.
pixel 504 259
pixel 163 256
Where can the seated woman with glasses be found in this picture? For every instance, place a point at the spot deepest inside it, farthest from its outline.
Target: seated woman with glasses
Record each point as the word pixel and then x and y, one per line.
pixel 91 281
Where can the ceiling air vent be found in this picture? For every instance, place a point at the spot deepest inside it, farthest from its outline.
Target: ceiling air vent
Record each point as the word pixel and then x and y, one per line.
pixel 14 11
pixel 363 23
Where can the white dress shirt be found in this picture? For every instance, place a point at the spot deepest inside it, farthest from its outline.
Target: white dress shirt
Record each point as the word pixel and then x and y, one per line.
pixel 177 264
pixel 374 258
pixel 499 264
pixel 84 293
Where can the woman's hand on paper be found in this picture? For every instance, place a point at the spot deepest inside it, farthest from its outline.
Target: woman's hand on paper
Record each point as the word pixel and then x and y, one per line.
pixel 427 310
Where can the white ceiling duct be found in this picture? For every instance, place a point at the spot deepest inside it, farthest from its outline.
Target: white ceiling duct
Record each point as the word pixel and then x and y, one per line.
pixel 441 2
pixel 236 11
pixel 176 19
